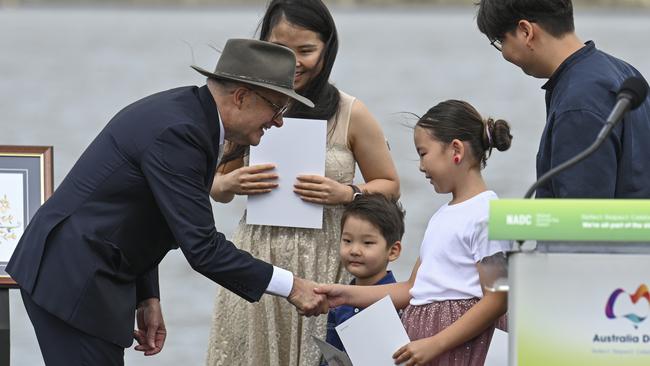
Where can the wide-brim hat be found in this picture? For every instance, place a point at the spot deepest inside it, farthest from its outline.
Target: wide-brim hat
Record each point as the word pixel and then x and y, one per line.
pixel 260 63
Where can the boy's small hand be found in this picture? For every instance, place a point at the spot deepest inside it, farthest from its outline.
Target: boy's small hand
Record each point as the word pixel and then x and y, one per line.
pixel 336 295
pixel 417 353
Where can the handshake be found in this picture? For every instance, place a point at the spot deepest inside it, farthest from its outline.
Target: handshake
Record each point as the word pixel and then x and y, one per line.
pixel 312 299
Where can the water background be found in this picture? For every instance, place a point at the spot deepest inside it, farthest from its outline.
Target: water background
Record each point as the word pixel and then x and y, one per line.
pixel 64 72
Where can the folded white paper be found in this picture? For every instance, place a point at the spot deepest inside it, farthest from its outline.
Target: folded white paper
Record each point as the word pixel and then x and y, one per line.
pixel 333 355
pixel 374 335
pixel 297 148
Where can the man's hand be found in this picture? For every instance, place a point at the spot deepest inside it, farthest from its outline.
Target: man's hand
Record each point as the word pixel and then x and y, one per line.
pixel 304 298
pixel 151 332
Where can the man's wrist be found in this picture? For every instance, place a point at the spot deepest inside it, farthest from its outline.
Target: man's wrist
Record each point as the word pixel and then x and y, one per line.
pixel 147 301
pixel 281 282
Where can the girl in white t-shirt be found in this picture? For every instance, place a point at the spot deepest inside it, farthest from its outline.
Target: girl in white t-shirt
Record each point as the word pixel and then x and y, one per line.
pixel 448 316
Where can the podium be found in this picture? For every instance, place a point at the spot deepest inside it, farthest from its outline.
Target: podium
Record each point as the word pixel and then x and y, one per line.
pixel 578 280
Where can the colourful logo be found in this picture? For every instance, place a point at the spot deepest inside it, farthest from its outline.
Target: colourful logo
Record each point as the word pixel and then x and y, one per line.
pixel 636 319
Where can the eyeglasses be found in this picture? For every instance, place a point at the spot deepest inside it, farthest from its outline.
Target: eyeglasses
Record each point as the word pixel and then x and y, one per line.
pixel 279 110
pixel 497 43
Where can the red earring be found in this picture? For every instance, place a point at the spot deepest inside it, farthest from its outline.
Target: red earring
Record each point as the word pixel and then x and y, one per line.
pixel 456 159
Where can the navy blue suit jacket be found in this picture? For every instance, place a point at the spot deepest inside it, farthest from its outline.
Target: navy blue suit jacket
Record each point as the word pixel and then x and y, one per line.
pixel 141 188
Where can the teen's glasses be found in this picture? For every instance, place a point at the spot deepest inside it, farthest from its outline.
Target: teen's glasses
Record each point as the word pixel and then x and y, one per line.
pixel 497 43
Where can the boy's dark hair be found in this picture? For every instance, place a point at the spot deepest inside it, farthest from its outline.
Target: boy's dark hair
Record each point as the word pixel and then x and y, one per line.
pixel 456 119
pixel 495 18
pixel 385 214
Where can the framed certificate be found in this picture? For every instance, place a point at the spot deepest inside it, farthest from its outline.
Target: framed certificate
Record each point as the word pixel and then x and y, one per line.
pixel 26 181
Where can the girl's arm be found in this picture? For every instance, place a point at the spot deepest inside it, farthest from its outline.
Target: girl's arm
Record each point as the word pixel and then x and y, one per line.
pixel 468 326
pixel 364 296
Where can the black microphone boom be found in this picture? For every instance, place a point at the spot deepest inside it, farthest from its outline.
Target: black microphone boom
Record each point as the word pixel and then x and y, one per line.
pixel 633 92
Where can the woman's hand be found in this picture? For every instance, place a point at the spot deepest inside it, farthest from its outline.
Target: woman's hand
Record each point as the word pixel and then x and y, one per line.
pixel 249 180
pixel 418 352
pixel 322 190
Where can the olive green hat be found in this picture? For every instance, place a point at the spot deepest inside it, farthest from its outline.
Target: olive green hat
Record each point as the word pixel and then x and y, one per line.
pixel 260 63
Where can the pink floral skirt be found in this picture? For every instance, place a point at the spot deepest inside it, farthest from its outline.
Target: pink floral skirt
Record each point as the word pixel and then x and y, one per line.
pixel 422 321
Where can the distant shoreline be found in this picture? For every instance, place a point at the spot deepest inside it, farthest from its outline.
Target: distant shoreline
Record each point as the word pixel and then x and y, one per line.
pixel 337 3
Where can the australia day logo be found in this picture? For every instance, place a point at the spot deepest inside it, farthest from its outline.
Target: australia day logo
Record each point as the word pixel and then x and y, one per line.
pixel 622 304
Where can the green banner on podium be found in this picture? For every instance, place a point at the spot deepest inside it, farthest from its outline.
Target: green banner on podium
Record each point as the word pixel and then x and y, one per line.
pixel 604 220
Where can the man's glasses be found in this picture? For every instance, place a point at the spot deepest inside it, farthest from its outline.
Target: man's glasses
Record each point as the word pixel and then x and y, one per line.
pixel 279 110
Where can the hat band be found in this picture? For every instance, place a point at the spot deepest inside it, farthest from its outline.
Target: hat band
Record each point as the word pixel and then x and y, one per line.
pixel 237 76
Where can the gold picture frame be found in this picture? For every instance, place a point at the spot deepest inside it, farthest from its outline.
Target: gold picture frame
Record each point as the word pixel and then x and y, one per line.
pixel 26 182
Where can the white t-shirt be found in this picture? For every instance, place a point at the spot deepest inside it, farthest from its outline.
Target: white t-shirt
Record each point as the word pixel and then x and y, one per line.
pixel 455 240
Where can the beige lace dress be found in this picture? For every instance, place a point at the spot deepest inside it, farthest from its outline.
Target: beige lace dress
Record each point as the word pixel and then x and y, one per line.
pixel 271 332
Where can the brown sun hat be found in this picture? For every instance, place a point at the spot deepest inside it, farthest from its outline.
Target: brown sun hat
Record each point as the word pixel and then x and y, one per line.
pixel 258 63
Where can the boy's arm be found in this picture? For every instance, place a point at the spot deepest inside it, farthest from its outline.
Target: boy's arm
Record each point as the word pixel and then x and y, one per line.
pixel 364 296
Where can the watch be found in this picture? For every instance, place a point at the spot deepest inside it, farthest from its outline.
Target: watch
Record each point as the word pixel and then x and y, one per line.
pixel 356 192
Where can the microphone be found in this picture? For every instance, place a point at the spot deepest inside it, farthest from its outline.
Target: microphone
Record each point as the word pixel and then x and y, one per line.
pixel 632 93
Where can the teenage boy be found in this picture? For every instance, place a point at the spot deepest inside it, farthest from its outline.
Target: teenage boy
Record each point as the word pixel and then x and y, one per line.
pixel 539 37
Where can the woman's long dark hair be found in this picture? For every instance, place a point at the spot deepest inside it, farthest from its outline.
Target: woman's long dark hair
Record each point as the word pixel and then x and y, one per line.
pixel 314 16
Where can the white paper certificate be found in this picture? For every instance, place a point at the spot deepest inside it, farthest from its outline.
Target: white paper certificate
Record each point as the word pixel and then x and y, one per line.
pixel 374 335
pixel 331 354
pixel 296 148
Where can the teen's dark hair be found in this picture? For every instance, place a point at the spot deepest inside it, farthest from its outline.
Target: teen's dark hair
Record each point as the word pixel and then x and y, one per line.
pixel 314 16
pixel 456 119
pixel 495 18
pixel 383 213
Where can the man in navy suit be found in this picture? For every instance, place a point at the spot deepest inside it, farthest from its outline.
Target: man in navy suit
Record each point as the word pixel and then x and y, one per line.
pixel 87 262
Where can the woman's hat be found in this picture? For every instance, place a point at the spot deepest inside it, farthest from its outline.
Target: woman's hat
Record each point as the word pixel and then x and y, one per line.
pixel 258 63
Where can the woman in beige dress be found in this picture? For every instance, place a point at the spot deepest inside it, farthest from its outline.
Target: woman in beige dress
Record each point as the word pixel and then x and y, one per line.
pixel 271 332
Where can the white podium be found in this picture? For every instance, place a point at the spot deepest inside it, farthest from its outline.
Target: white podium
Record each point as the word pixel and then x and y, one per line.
pixel 580 295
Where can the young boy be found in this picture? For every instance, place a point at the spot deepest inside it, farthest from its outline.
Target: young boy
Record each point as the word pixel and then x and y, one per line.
pixel 371 232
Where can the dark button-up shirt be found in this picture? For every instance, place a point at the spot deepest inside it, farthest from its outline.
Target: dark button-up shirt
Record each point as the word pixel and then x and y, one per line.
pixel 579 97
